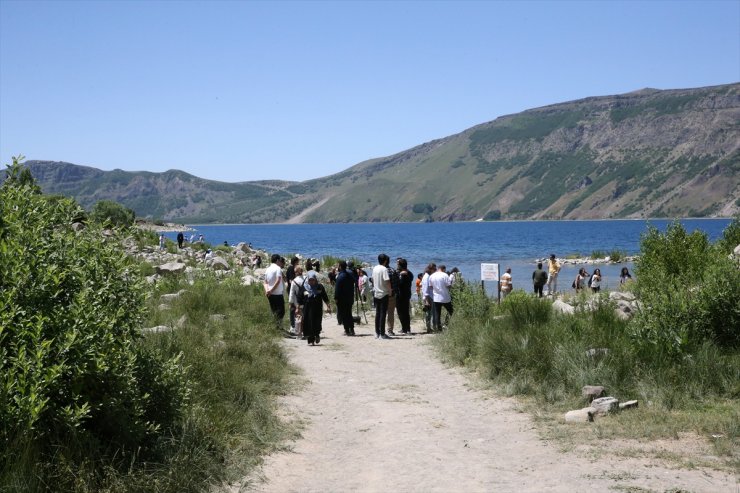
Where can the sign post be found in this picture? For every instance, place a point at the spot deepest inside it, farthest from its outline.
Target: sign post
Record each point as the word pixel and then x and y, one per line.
pixel 489 272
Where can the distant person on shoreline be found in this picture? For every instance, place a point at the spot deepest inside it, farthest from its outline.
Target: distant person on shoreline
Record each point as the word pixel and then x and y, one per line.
pixel 506 283
pixel 391 318
pixel 553 269
pixel 161 242
pixel 580 281
pixel 624 276
pixel 595 281
pixel 274 288
pixel 201 238
pixel 180 239
pixel 539 279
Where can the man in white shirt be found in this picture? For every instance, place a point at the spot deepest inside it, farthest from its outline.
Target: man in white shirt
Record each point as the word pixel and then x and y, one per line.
pixel 440 284
pixel 274 287
pixel 381 292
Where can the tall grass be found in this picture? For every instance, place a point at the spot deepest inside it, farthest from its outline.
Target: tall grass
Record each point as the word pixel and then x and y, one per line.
pixel 528 350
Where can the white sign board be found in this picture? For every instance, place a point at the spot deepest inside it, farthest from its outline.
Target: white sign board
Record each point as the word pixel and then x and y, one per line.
pixel 489 272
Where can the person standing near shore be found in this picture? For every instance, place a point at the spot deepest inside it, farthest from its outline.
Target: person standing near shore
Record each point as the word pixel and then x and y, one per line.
pixel 506 283
pixel 344 297
pixel 440 283
pixel 580 282
pixel 403 299
pixel 391 322
pixel 180 239
pixel 539 279
pixel 381 293
pixel 595 281
pixel 274 287
pixel 427 295
pixel 553 269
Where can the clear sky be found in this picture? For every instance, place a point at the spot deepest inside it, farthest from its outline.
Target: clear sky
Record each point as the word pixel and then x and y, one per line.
pixel 246 90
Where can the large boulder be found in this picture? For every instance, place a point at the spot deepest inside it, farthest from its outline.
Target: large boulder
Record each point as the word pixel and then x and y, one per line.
pixel 605 405
pixel 559 306
pixel 585 415
pixel 622 295
pixel 170 268
pixel 243 247
pixel 217 263
pixel 591 392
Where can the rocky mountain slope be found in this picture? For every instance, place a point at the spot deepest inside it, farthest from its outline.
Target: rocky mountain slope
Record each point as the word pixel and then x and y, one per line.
pixel 648 153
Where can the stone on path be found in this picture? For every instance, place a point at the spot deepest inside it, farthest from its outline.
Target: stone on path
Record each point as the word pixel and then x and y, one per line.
pixel 585 415
pixel 605 405
pixel 170 268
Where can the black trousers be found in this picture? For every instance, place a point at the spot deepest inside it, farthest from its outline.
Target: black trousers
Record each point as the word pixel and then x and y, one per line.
pixel 538 289
pixel 403 307
pixel 344 313
pixel 277 306
pixel 437 313
pixel 381 311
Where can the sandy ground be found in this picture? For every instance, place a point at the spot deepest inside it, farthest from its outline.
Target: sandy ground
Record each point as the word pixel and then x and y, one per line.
pixel 388 416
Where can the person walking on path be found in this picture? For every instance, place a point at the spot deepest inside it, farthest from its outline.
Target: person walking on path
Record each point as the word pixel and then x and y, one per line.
pixel 180 240
pixel 274 288
pixel 344 297
pixel 539 279
pixel 506 283
pixel 289 276
pixel 381 293
pixel 313 296
pixel 293 301
pixel 553 268
pixel 403 300
pixel 440 283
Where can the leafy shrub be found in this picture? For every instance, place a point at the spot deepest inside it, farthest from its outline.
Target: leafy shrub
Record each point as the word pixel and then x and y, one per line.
pixel 617 255
pixel 730 236
pixel 525 309
pixel 74 381
pixel 598 254
pixel 109 213
pixel 690 291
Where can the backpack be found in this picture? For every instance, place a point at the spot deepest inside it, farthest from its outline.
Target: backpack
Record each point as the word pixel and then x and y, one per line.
pixel 589 281
pixel 574 284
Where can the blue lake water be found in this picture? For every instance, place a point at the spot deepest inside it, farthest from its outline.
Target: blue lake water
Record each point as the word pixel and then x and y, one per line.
pixel 515 244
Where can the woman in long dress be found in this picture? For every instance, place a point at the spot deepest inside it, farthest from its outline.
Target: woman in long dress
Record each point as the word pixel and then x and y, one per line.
pixel 313 296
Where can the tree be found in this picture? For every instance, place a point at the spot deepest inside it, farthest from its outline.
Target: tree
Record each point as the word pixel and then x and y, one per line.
pixel 111 213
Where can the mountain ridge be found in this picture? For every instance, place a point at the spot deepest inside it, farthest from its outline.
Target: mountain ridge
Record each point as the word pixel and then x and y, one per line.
pixel 647 153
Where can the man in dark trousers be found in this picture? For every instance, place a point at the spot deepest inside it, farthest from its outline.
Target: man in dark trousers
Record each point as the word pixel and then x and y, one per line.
pixel 180 239
pixel 344 295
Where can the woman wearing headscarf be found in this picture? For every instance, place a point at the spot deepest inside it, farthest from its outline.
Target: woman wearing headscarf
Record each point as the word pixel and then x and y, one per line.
pixel 313 297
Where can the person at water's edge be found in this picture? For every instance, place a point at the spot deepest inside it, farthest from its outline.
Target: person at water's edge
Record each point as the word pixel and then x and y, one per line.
pixel 553 268
pixel 539 279
pixel 180 239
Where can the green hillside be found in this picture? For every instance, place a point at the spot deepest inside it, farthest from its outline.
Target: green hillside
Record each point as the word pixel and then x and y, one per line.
pixel 648 153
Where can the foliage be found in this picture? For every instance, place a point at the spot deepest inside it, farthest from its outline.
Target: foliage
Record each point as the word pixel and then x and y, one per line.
pixel 730 236
pixel 617 255
pixel 109 213
pixel 423 208
pixel 597 254
pixel 74 380
pixel 690 291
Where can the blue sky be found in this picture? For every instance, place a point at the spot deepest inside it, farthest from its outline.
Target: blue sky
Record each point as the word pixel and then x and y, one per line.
pixel 237 91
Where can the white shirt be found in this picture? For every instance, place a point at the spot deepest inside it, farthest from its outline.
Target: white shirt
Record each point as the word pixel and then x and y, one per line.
pixel 506 282
pixel 440 283
pixel 426 289
pixel 274 274
pixel 381 281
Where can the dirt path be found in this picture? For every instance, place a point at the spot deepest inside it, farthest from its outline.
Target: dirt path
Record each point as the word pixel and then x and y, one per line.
pixel 387 416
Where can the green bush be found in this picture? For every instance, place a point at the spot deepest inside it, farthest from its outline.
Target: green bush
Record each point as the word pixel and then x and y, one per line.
pixel 690 291
pixel 109 213
pixel 617 255
pixel 596 254
pixel 74 381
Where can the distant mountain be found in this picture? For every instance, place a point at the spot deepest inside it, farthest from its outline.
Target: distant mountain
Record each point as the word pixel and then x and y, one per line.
pixel 648 153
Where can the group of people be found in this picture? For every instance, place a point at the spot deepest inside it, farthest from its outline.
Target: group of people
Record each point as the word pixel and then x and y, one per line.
pixel 390 288
pixel 549 278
